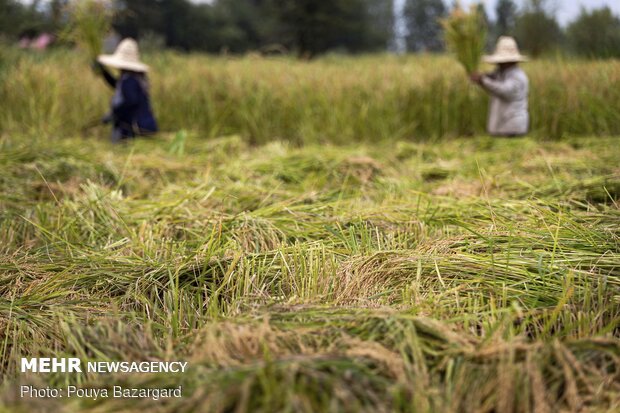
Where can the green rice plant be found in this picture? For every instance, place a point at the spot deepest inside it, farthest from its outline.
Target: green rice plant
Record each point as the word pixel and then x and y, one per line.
pixel 177 147
pixel 350 99
pixel 465 36
pixel 89 22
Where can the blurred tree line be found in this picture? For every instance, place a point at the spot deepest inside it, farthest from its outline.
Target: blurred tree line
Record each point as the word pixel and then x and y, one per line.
pixel 593 33
pixel 311 27
pixel 307 27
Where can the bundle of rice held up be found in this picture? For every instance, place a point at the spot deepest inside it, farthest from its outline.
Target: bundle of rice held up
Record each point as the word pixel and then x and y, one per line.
pixel 465 36
pixel 89 23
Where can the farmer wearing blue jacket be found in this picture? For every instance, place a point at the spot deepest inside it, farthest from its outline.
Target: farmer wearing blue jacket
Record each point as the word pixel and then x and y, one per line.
pixel 131 114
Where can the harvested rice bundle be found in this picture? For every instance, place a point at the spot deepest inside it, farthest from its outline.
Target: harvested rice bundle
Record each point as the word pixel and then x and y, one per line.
pixel 89 22
pixel 465 35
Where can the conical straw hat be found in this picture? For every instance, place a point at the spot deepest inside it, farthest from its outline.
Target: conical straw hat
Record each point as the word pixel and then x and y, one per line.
pixel 126 56
pixel 506 51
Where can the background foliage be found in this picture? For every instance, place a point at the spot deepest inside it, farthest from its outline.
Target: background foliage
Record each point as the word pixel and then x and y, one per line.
pixel 308 28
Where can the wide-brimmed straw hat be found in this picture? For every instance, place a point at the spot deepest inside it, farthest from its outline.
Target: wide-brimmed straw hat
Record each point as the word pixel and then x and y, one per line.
pixel 126 56
pixel 506 51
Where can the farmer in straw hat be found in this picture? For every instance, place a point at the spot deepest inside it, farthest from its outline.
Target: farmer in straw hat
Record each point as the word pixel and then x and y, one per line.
pixel 508 87
pixel 130 113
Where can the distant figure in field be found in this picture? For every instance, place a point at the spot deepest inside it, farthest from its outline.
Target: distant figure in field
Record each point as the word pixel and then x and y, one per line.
pixel 508 86
pixel 130 114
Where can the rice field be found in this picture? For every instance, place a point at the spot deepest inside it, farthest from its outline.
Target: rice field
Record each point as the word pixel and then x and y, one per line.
pixel 298 270
pixel 334 99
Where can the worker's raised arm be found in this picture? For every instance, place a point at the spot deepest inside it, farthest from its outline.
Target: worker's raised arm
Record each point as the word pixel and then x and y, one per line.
pixel 508 89
pixel 109 78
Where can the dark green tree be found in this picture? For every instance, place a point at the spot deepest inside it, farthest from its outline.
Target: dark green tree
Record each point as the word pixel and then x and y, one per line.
pixel 595 33
pixel 382 20
pixel 308 27
pixel 182 25
pixel 135 17
pixel 312 27
pixel 10 13
pixel 17 18
pixel 240 25
pixel 506 12
pixel 537 30
pixel 56 9
pixel 423 27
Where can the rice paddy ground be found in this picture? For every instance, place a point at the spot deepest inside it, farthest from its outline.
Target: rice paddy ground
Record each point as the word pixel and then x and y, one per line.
pixel 470 275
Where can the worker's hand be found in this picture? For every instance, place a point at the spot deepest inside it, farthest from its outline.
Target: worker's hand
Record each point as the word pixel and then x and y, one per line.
pixel 476 77
pixel 108 118
pixel 97 67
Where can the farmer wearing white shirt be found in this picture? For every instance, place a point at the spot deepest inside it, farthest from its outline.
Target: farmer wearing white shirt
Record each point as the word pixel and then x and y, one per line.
pixel 509 88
